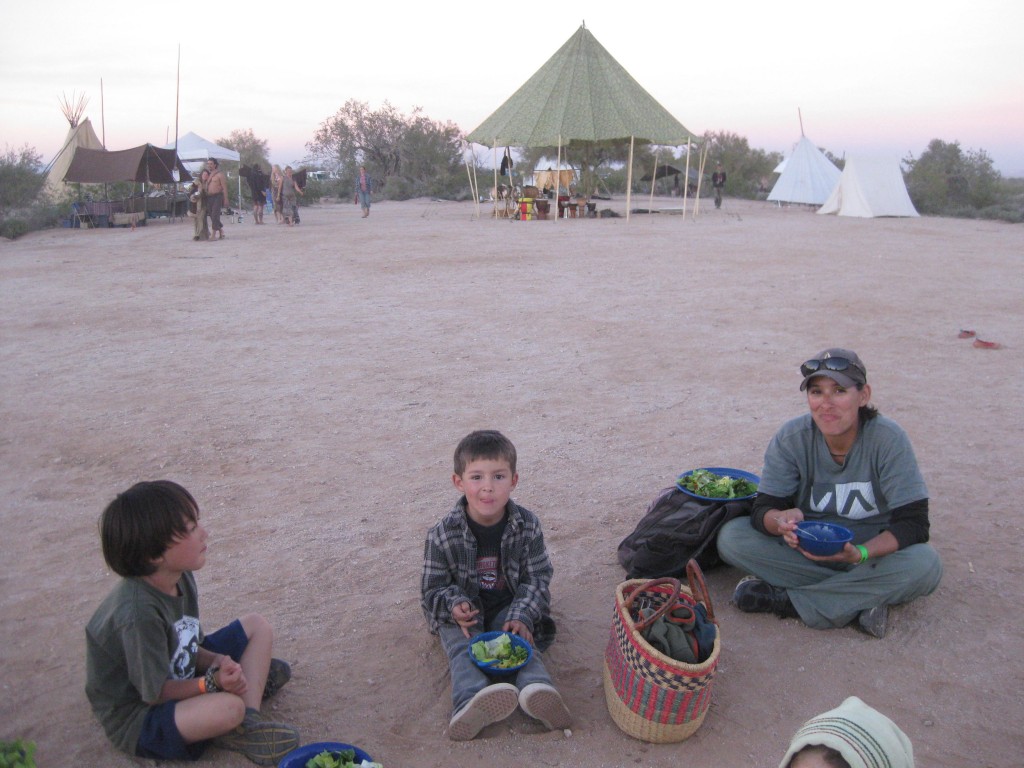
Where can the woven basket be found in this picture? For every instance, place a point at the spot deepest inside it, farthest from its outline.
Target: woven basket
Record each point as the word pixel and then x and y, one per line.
pixel 650 696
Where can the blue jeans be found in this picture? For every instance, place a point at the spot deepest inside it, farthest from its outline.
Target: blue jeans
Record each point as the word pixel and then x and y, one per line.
pixel 467 678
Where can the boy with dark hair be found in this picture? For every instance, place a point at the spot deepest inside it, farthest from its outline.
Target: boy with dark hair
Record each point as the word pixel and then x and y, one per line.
pixel 159 688
pixel 486 568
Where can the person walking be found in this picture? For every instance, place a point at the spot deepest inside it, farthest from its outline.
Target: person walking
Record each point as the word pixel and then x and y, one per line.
pixel 364 190
pixel 718 182
pixel 216 197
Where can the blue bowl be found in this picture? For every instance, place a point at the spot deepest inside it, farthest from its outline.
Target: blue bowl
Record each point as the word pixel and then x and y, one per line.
pixel 737 473
pixel 828 538
pixel 516 641
pixel 298 758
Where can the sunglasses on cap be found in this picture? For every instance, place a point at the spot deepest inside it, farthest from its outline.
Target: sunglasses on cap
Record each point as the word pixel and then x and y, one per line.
pixel 829 364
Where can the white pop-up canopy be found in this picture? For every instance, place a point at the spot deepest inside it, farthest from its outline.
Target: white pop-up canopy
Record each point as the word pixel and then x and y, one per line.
pixel 194 150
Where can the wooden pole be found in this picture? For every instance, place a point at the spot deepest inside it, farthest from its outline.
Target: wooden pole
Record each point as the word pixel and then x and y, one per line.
pixel 686 178
pixel 654 180
pixel 629 178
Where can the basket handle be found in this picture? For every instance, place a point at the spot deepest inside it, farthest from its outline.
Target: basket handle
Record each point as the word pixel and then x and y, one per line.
pixel 664 608
pixel 699 588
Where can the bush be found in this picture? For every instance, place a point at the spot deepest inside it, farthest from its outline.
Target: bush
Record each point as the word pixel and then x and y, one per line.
pixel 17 754
pixel 12 229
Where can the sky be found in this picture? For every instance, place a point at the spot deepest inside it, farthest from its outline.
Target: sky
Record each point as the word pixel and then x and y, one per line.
pixel 879 78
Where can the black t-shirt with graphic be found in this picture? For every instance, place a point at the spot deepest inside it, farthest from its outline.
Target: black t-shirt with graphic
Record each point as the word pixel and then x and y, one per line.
pixel 494 592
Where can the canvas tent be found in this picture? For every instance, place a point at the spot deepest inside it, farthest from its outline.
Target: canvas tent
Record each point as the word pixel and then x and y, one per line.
pixel 808 176
pixel 580 94
pixel 870 187
pixel 80 135
pixel 143 163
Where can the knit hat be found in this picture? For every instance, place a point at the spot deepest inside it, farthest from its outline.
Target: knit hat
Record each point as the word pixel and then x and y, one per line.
pixel 863 736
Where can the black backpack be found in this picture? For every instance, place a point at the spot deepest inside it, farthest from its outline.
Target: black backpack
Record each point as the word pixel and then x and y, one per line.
pixel 675 528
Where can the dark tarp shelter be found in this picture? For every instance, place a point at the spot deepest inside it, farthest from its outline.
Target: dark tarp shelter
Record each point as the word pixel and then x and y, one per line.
pixel 669 170
pixel 580 94
pixel 143 163
pixel 138 164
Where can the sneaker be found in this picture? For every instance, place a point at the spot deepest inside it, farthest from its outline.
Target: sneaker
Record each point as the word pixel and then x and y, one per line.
pixel 754 595
pixel 874 621
pixel 493 703
pixel 542 702
pixel 262 741
pixel 279 674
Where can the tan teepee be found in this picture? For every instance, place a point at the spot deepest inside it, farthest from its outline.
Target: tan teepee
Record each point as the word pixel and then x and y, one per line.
pixel 80 134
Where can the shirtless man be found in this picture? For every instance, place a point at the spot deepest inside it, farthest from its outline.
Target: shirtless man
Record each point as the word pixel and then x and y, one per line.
pixel 216 196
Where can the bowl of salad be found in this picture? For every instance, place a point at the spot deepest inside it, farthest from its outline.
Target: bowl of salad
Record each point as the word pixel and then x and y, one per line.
pixel 718 484
pixel 327 754
pixel 500 653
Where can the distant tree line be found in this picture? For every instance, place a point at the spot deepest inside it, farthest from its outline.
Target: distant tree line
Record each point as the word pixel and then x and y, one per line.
pixel 410 155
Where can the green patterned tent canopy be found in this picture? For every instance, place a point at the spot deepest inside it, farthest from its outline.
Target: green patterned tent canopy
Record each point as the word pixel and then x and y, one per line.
pixel 580 94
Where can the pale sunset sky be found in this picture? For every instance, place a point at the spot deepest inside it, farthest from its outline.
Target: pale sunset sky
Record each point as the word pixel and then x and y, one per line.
pixel 880 78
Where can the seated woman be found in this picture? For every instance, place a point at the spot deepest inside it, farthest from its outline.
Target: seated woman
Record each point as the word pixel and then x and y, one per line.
pixel 841 463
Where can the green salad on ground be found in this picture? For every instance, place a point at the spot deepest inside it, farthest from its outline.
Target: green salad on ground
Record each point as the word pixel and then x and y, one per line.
pixel 705 483
pixel 500 650
pixel 340 758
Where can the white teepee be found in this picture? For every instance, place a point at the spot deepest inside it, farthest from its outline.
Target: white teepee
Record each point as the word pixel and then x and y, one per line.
pixel 807 176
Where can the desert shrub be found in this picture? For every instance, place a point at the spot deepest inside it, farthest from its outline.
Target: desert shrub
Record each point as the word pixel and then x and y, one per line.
pixel 13 228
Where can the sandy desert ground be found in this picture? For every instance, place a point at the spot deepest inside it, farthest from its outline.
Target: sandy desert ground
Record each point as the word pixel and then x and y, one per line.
pixel 309 384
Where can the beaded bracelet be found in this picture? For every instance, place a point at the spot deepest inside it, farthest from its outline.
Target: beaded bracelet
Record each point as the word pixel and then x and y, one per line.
pixel 863 553
pixel 210 682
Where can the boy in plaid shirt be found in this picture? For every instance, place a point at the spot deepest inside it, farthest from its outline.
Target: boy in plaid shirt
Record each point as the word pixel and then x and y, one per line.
pixel 486 568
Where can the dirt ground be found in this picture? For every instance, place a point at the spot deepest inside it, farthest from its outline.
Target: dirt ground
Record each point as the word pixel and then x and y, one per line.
pixel 309 385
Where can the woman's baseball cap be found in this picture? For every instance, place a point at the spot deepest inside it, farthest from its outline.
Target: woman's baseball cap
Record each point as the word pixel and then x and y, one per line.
pixel 843 366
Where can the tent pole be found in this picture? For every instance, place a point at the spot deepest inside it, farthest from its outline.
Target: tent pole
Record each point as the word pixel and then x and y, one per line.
pixel 472 188
pixel 700 175
pixel 494 194
pixel 686 178
pixel 558 178
pixel 629 178
pixel 654 179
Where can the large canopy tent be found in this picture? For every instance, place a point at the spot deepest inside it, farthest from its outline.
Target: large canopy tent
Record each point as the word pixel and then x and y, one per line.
pixel 194 151
pixel 580 94
pixel 808 176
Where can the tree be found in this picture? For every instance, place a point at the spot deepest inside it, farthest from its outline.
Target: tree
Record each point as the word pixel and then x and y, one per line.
pixel 407 154
pixel 21 178
pixel 945 179
pixel 251 150
pixel 744 167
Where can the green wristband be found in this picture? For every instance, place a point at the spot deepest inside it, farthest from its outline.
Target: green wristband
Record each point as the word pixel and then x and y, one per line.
pixel 863 553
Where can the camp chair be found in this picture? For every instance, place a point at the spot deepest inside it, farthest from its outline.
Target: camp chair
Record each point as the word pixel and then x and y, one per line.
pixel 82 216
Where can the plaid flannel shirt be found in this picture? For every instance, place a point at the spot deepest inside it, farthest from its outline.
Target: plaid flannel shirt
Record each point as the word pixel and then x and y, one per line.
pixel 450 576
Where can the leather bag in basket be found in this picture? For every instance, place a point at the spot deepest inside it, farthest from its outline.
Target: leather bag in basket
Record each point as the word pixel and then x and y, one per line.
pixel 650 696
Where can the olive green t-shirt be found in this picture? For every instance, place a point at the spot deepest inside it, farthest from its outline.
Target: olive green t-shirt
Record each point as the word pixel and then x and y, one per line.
pixel 137 639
